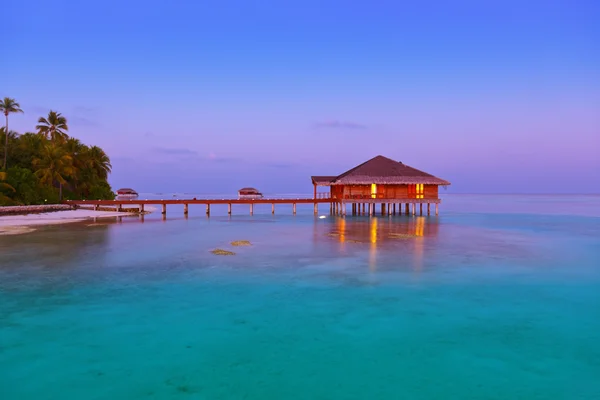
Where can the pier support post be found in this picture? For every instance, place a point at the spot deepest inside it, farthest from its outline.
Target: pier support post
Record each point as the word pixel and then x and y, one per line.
pixel 164 208
pixel 389 209
pixel 414 208
pixel 316 208
pixel 185 208
pixel 363 208
pixel 96 207
pixel 382 208
pixel 394 211
pixel 406 209
pixel 420 208
pixel 229 208
pixel 251 208
pixel 436 208
pixel 330 208
pixel 428 208
pixel 371 208
pixel 294 208
pixel 142 208
pixel 208 209
pixel 273 208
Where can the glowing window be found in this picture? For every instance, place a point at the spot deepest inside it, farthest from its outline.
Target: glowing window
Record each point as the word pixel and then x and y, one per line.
pixel 373 190
pixel 419 191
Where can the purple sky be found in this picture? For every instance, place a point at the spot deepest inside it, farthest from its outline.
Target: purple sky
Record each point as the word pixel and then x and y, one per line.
pixel 502 97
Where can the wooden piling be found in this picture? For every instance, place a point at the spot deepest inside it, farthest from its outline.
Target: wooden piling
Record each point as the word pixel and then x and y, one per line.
pixel 273 208
pixel 229 208
pixel 208 209
pixel 185 208
pixel 294 208
pixel 436 208
pixel 164 208
pixel 428 208
pixel 251 208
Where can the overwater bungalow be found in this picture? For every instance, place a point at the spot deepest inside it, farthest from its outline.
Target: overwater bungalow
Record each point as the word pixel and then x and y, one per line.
pixel 383 181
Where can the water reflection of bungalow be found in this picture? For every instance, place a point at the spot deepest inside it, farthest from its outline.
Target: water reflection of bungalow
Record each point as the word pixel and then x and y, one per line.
pixel 372 233
pixel 381 181
pixel 378 230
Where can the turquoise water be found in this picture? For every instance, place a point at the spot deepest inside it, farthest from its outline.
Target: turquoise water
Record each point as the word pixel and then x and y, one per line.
pixel 497 298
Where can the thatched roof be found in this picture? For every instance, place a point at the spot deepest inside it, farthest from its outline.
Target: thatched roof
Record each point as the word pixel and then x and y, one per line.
pixel 323 180
pixel 381 170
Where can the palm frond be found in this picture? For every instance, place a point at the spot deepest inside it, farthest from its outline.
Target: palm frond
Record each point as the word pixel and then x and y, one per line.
pixel 9 106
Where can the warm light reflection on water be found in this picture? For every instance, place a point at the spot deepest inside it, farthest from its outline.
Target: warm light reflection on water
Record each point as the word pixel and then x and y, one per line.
pixel 407 233
pixel 373 246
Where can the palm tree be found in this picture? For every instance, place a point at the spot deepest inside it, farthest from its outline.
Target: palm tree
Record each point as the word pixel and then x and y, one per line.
pixel 4 186
pixel 54 127
pixel 54 165
pixel 29 146
pixel 77 151
pixel 8 106
pixel 100 162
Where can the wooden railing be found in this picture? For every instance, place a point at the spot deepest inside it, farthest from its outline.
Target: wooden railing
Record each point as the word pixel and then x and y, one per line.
pixel 324 195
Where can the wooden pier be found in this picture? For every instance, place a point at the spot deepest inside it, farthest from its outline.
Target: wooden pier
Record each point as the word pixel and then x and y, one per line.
pixel 124 205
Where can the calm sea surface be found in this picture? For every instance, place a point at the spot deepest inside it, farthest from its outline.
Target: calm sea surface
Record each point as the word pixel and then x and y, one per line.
pixel 497 298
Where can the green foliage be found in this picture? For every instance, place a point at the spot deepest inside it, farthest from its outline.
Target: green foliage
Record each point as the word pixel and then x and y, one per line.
pixel 48 166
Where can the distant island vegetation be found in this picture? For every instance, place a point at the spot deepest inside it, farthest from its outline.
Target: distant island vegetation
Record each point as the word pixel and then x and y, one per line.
pixel 47 165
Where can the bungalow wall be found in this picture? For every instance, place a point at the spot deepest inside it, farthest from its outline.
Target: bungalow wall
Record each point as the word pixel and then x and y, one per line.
pixel 431 191
pixel 384 191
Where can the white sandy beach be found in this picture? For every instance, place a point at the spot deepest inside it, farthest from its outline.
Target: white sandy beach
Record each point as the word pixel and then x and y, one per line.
pixel 17 224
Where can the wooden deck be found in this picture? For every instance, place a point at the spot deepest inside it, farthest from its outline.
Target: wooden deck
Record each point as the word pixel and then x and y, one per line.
pixel 127 204
pixel 199 201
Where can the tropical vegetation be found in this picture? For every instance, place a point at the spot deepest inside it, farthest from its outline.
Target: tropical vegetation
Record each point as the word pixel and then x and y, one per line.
pixel 48 165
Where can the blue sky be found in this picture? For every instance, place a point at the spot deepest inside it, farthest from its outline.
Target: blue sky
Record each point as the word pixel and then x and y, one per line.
pixel 215 95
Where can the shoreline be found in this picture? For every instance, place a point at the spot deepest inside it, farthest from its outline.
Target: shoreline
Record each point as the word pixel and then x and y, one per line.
pixel 27 220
